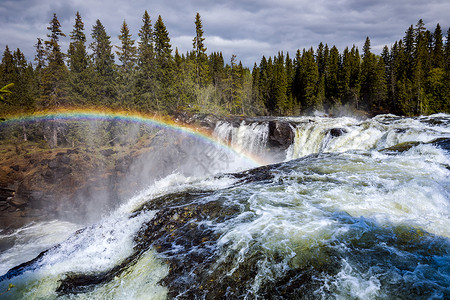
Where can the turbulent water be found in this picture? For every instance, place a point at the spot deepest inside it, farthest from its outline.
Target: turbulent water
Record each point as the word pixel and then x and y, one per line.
pixel 357 210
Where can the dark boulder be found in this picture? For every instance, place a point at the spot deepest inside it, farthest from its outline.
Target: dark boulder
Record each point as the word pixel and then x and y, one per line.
pixel 281 135
pixel 336 132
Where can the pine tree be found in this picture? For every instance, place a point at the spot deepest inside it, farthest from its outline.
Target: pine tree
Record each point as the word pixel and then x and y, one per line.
pixel 23 97
pixel 280 85
pixel 310 78
pixel 54 75
pixel 438 48
pixel 54 54
pixel 127 55
pixel 437 84
pixel 266 84
pixel 145 81
pixel 421 67
pixel 8 77
pixel 331 78
pixel 256 98
pixel 289 66
pixel 368 74
pixel 78 62
pixel 127 51
pixel 201 58
pixel 77 55
pixel 103 81
pixel 163 67
pixel 236 80
pixel 40 55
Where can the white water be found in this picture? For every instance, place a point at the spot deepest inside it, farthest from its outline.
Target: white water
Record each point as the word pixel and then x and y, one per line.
pixel 312 134
pixel 251 138
pixel 371 224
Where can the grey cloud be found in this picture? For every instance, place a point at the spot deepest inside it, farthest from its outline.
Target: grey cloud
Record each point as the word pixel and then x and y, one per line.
pixel 248 28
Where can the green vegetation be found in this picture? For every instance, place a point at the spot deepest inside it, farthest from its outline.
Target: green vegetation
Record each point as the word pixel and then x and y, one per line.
pixel 148 75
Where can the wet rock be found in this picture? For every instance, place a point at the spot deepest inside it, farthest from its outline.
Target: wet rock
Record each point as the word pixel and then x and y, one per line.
pixel 443 143
pixel 402 147
pixel 336 132
pixel 263 173
pixel 400 130
pixel 281 134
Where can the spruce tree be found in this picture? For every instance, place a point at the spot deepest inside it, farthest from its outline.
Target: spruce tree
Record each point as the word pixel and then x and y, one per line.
pixel 201 58
pixel 145 78
pixel 289 66
pixel 54 75
pixel 127 51
pixel 310 78
pixel 421 68
pixel 217 74
pixel 77 55
pixel 78 62
pixel 331 79
pixel 280 85
pixel 236 82
pixel 438 48
pixel 8 78
pixel 127 55
pixel 163 67
pixel 103 81
pixel 368 76
pixel 256 97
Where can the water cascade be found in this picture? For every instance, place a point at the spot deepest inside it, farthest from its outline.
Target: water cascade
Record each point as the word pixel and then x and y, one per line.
pixel 251 137
pixel 355 210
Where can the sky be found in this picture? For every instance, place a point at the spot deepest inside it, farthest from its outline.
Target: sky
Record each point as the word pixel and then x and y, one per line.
pixel 247 28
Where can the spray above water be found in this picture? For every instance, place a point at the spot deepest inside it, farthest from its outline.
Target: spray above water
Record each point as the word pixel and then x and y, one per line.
pixel 353 215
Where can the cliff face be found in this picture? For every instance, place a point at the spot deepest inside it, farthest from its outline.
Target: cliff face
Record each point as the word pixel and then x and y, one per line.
pixel 40 184
pixel 79 184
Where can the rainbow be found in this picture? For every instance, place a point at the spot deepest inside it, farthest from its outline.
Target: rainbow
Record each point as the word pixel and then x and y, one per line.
pixel 132 117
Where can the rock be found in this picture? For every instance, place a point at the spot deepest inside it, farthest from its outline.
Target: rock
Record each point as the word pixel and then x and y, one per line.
pixel 53 164
pixel 64 160
pixel 107 152
pixel 443 143
pixel 6 193
pixel 15 168
pixel 336 132
pixel 18 202
pixel 281 134
pixel 402 147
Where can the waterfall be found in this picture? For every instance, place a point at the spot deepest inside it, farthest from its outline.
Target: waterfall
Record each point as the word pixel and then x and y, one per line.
pixel 249 137
pixel 367 218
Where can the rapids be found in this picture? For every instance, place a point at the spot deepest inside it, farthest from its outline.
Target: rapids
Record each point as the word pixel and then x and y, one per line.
pixel 355 210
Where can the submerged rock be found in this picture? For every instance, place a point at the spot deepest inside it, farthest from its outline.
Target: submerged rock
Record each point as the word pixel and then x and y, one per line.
pixel 402 147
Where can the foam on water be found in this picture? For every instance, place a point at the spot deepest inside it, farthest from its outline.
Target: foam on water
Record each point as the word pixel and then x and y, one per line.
pixel 348 222
pixel 26 242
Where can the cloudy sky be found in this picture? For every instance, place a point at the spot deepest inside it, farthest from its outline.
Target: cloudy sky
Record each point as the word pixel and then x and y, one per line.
pixel 247 28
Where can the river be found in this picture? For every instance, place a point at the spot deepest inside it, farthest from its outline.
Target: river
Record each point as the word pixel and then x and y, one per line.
pixel 355 209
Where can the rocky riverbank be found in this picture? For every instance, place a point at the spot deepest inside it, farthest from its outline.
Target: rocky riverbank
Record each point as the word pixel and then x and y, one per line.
pixel 82 183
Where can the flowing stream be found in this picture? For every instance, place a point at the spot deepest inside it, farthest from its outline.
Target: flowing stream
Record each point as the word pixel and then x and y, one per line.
pixel 355 210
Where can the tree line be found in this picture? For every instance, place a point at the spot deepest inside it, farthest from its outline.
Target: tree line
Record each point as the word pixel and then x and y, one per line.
pixel 409 78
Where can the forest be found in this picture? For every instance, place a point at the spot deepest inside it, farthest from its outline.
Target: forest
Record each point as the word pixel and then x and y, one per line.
pixel 411 77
